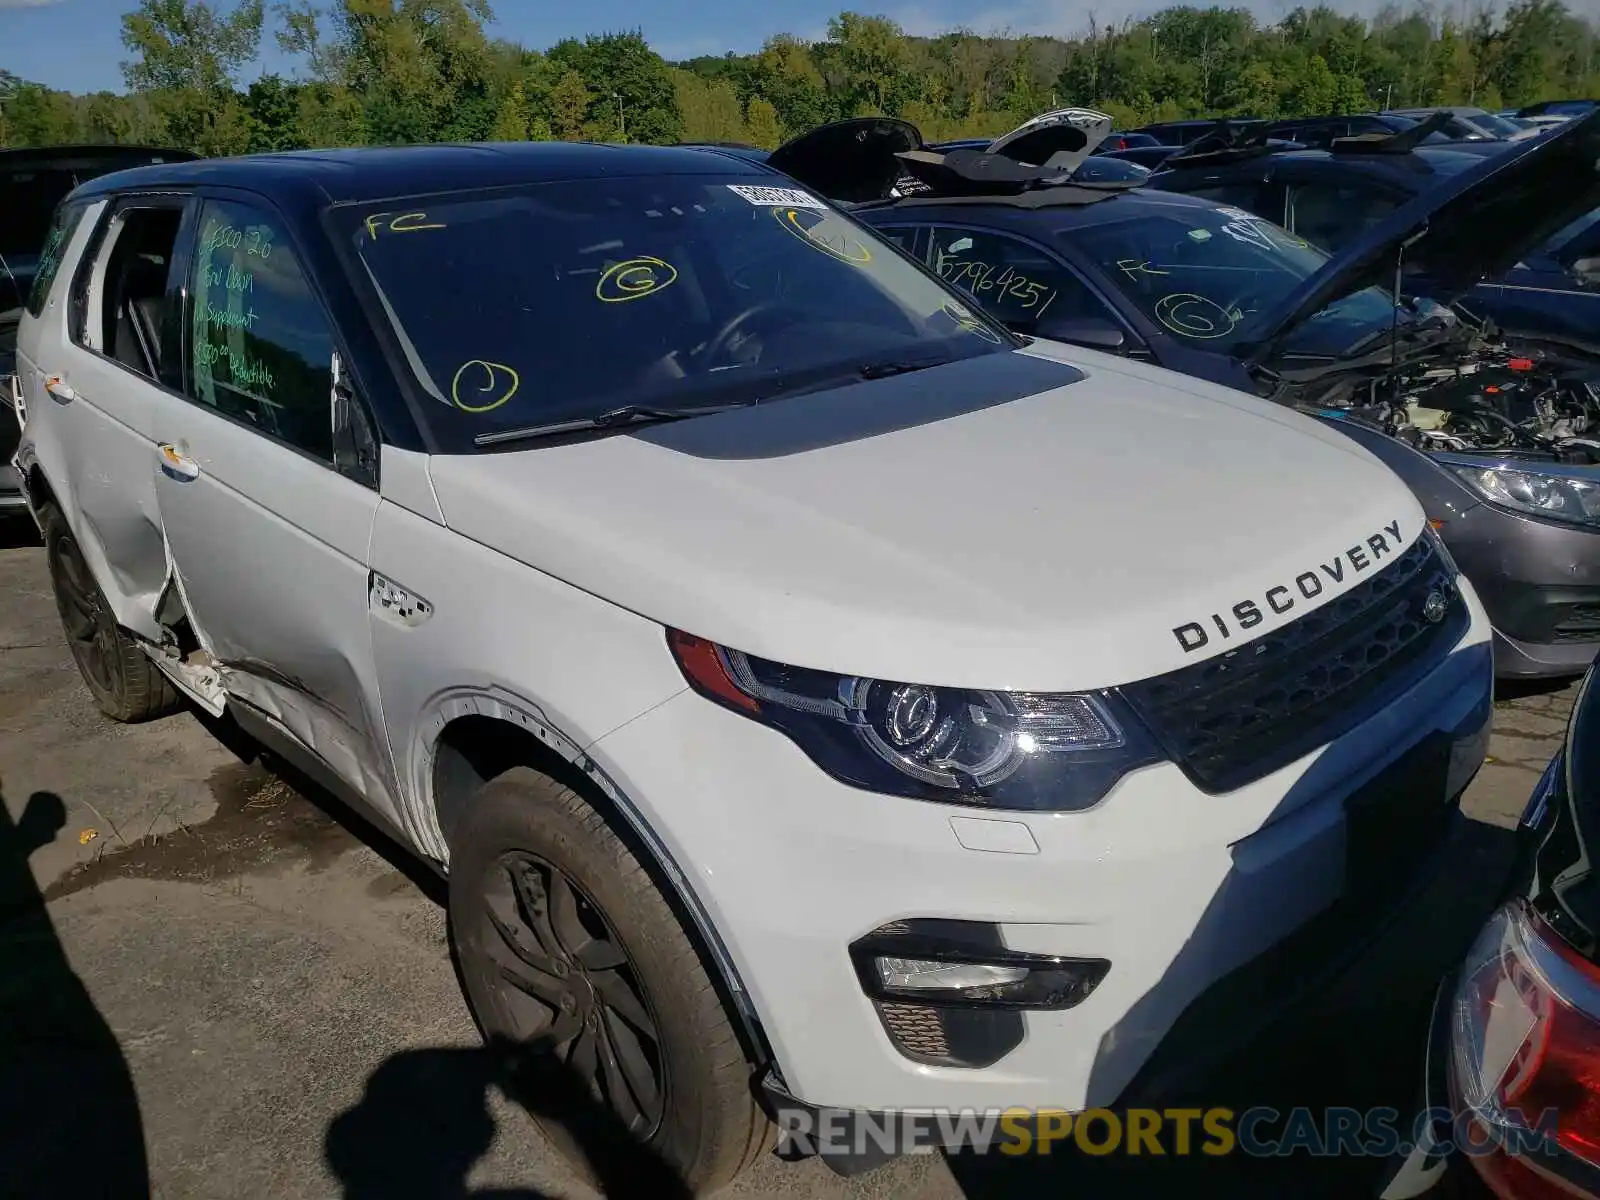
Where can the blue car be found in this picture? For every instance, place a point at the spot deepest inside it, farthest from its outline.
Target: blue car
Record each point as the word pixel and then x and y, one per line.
pixel 1549 296
pixel 1212 290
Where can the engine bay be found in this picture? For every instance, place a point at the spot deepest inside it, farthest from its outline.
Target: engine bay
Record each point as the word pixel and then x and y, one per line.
pixel 1484 396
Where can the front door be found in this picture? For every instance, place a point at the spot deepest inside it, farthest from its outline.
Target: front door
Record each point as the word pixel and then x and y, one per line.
pixel 268 539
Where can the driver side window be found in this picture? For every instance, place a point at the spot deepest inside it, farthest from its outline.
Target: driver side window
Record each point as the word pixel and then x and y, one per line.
pixel 1015 280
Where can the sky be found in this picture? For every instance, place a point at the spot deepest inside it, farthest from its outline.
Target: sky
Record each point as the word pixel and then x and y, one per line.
pixel 76 44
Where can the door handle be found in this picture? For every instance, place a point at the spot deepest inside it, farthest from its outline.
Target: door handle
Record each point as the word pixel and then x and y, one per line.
pixel 175 464
pixel 59 389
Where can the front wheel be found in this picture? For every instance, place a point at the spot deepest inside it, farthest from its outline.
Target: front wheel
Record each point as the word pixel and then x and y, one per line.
pixel 124 682
pixel 565 942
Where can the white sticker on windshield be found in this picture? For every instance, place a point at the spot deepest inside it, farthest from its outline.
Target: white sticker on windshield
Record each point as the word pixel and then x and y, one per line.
pixel 776 197
pixel 1200 235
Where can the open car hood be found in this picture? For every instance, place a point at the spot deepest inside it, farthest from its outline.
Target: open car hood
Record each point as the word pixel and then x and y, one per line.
pixel 1475 225
pixel 853 161
pixel 867 158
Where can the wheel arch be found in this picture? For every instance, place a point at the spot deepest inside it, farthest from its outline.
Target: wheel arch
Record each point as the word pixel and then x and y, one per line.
pixel 476 737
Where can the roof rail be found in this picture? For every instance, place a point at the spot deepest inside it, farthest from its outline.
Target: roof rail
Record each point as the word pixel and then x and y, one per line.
pixel 1403 142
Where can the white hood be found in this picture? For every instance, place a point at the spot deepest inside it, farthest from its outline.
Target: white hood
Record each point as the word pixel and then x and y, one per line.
pixel 1004 522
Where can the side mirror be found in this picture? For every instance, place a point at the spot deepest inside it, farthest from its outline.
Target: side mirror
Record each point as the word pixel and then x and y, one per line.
pixel 1094 332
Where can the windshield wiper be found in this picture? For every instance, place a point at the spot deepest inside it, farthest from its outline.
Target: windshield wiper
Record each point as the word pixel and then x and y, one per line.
pixel 898 366
pixel 615 418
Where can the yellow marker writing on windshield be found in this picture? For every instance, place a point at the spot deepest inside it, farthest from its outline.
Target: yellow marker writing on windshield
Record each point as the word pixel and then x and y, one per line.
pixel 411 222
pixel 634 279
pixel 826 231
pixel 500 383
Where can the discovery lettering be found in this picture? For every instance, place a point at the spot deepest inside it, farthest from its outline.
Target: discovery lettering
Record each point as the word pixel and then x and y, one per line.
pixel 1307 585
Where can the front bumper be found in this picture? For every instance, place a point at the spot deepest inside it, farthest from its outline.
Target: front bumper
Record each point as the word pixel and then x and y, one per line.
pixel 1539 581
pixel 1178 890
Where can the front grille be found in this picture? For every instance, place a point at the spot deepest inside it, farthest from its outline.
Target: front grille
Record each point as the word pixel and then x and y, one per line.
pixel 1231 719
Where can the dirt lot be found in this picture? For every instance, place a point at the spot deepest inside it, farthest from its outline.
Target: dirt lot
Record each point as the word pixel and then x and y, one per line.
pixel 280 992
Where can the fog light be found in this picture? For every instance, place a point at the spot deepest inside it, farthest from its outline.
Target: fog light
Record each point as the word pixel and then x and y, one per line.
pixel 922 974
pixel 947 963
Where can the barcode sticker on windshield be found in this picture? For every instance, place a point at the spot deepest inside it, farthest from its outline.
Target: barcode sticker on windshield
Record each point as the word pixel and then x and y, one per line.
pixel 776 197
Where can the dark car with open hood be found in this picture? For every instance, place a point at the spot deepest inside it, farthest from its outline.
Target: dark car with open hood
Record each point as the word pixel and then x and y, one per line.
pixel 32 182
pixel 1512 1076
pixel 1216 291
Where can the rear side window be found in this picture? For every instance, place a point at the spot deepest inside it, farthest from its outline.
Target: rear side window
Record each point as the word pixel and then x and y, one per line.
pixel 1013 279
pixel 62 226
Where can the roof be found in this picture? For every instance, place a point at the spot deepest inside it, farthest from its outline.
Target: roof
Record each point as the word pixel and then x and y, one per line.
pixel 377 172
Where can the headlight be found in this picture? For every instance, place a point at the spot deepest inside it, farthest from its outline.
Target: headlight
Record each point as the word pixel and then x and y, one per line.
pixel 1014 750
pixel 1560 497
pixel 1431 532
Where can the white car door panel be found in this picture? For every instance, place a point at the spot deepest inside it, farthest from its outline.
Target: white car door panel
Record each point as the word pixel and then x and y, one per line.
pixel 270 542
pixel 92 432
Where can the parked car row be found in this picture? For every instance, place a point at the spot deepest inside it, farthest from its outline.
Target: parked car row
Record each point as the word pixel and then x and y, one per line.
pixel 954 543
pixel 632 532
pixel 1498 438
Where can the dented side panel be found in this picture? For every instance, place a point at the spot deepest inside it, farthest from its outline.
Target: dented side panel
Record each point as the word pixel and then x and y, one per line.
pixel 91 437
pixel 270 549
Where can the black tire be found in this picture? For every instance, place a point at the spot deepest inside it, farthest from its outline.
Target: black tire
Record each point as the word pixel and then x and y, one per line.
pixel 124 682
pixel 533 863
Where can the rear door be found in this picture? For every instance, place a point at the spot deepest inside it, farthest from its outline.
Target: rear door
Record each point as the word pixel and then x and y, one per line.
pixel 268 536
pixel 94 372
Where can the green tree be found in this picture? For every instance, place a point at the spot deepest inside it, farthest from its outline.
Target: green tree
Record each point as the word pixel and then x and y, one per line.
pixel 272 114
pixel 709 108
pixel 761 122
pixel 869 54
pixel 512 122
pixel 188 57
pixel 569 106
pixel 40 116
pixel 631 90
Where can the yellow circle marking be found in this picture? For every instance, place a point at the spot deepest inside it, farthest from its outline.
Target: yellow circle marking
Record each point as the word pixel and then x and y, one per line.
pixel 634 279
pixel 493 373
pixel 1189 315
pixel 841 245
pixel 965 319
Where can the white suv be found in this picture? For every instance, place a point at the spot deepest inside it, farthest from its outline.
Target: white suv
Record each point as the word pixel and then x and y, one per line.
pixel 816 694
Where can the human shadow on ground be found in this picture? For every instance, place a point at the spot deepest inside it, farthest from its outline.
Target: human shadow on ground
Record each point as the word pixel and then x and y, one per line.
pixel 424 1121
pixel 69 1115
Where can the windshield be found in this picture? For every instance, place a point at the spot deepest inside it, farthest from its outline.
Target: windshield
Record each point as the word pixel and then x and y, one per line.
pixel 565 300
pixel 1218 278
pixel 1495 125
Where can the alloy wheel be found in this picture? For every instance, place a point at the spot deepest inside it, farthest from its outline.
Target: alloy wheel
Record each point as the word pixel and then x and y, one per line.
pixel 571 987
